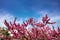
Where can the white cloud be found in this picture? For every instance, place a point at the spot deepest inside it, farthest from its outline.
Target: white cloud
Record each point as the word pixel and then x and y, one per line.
pixel 42 12
pixel 51 14
pixel 55 18
pixel 9 17
pixel 6 16
pixel 20 20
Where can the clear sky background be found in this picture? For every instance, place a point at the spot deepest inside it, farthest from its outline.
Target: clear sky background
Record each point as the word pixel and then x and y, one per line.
pixel 24 9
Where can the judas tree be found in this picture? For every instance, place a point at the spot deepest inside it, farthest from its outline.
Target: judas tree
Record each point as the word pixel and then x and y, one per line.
pixel 39 31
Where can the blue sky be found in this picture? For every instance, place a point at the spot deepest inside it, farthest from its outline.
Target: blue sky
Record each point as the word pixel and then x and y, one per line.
pixel 25 9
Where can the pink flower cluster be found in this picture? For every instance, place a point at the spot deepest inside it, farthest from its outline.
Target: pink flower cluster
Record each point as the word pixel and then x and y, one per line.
pixel 40 30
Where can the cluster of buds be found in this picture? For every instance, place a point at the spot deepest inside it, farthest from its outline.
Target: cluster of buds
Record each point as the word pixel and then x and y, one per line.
pixel 39 30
